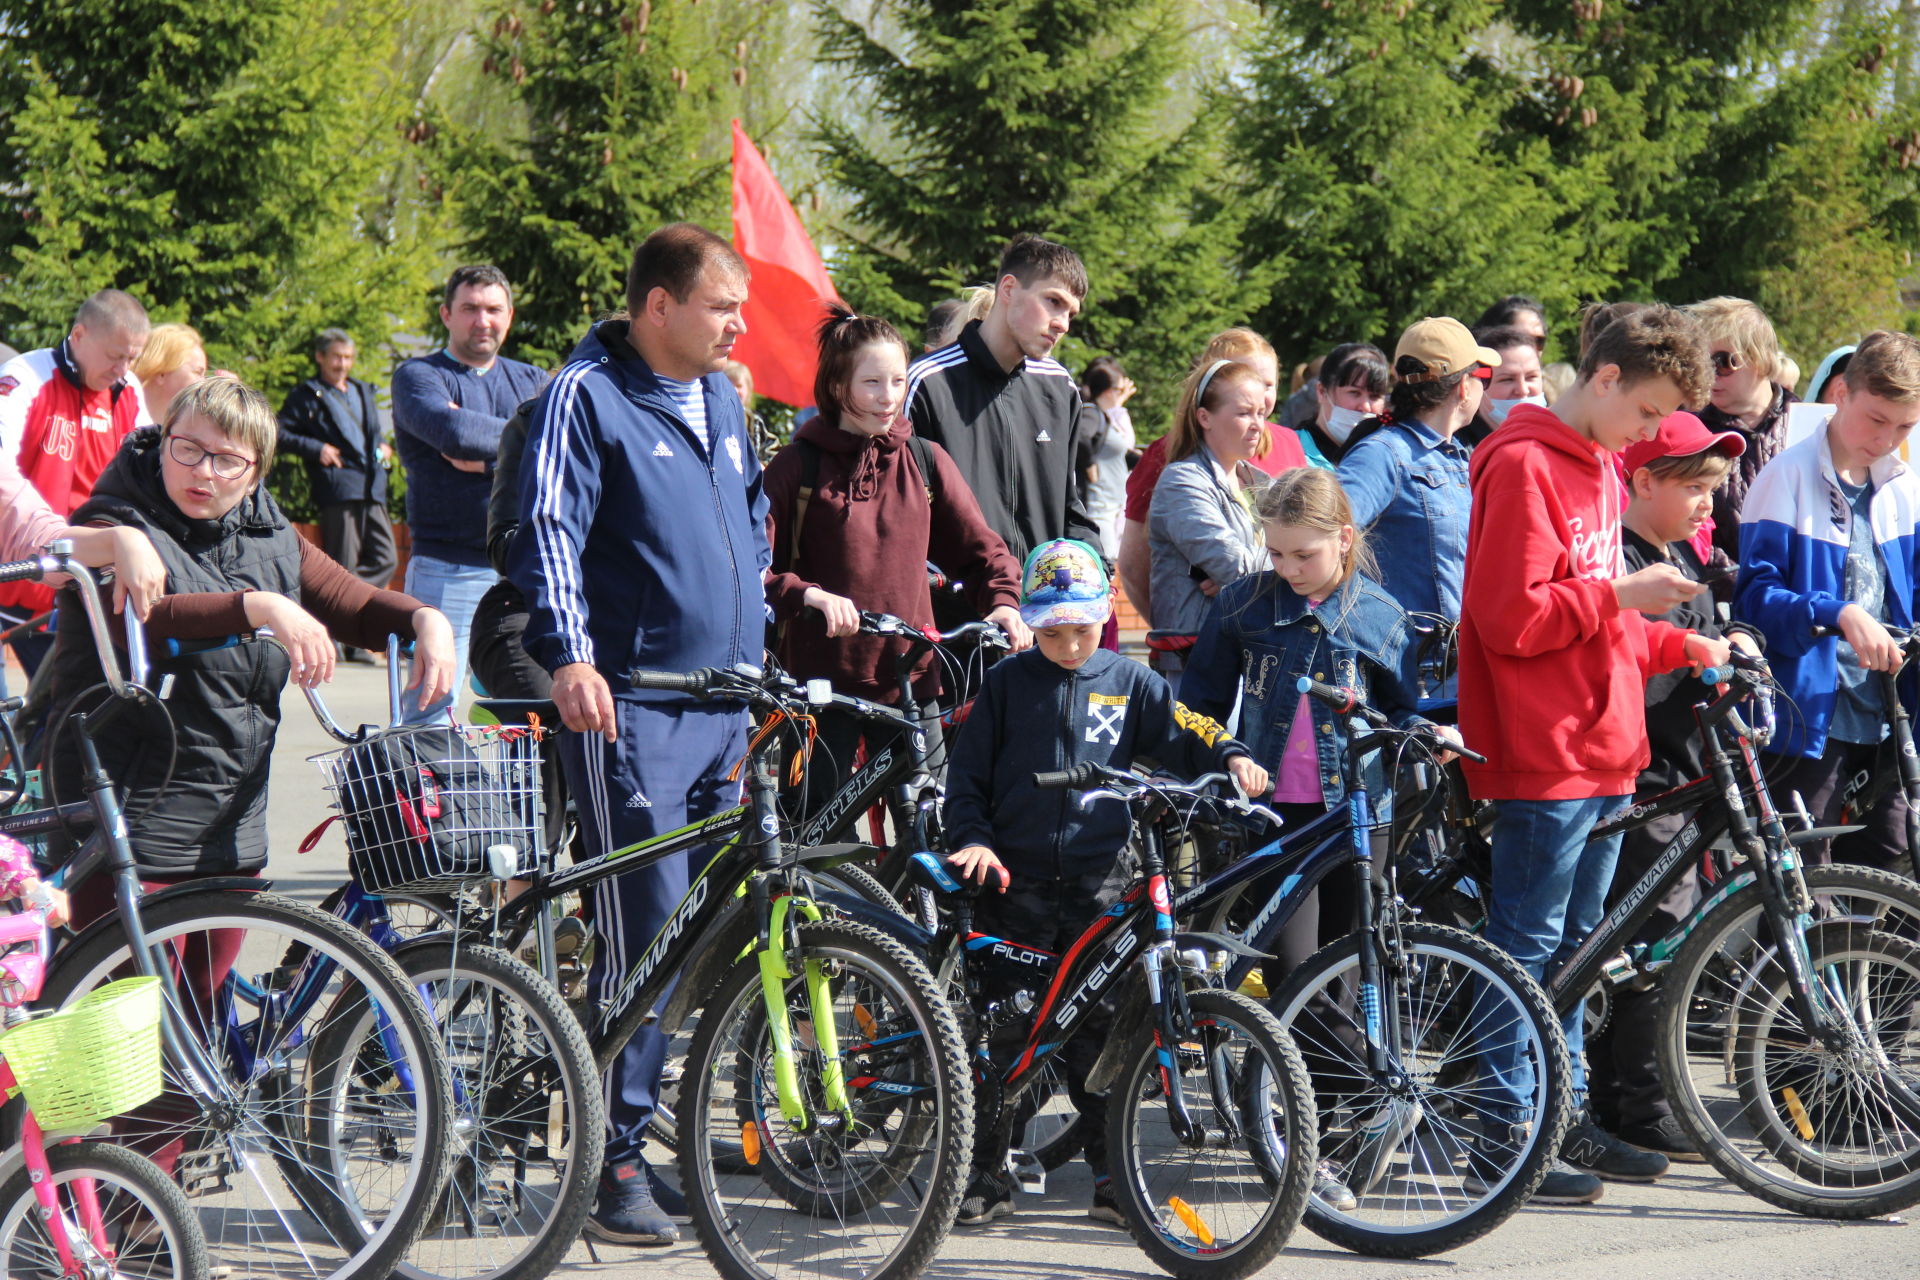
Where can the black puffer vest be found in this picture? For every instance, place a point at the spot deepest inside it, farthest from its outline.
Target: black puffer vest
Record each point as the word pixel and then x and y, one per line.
pixel 225 704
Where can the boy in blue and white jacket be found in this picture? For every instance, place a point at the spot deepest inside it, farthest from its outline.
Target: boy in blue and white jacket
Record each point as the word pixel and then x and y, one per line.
pixel 1057 863
pixel 1827 538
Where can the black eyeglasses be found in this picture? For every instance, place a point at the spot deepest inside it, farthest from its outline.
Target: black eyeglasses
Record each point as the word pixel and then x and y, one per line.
pixel 188 453
pixel 1727 362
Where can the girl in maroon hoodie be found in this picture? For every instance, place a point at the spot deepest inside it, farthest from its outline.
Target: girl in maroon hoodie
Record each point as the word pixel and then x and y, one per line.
pixel 873 521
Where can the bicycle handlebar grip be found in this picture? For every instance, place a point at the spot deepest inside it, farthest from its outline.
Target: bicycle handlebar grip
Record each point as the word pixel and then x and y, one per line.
pixel 1716 675
pixel 1345 702
pixel 187 648
pixel 1081 775
pixel 669 681
pixel 1822 633
pixel 21 571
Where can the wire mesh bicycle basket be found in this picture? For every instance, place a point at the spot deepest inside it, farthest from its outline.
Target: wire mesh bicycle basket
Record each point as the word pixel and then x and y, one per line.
pixel 425 806
pixel 98 1059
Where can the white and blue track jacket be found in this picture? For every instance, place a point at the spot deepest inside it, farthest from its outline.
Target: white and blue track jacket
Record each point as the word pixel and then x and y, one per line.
pixel 637 547
pixel 1794 531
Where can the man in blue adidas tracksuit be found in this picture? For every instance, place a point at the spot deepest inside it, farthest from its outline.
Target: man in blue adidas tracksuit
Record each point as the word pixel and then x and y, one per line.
pixel 643 544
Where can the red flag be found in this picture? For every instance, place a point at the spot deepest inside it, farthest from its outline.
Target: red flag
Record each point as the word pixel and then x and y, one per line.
pixel 790 288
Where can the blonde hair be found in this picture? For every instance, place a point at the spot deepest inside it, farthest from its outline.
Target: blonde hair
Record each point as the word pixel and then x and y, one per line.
pixel 737 371
pixel 975 302
pixel 168 346
pixel 1214 377
pixel 1885 364
pixel 1555 379
pixel 1311 498
pixel 1745 329
pixel 1236 344
pixel 236 410
pixel 1787 374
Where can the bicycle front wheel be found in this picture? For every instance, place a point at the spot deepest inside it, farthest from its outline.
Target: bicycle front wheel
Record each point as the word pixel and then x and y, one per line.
pixel 147 1228
pixel 1415 1146
pixel 530 1124
pixel 1221 1205
pixel 867 1193
pixel 291 1180
pixel 1827 1127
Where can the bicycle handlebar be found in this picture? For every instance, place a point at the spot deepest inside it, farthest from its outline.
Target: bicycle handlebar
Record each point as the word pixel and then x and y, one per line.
pixel 886 624
pixel 1908 640
pixel 750 684
pixel 1347 702
pixel 58 559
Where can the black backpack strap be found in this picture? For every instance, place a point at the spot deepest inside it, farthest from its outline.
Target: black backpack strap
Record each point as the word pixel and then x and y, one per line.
pixel 803 497
pixel 923 455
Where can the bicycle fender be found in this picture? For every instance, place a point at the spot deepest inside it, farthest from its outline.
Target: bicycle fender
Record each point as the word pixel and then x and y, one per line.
pixel 225 884
pixel 898 927
pixel 1130 1010
pixel 825 857
pixel 716 950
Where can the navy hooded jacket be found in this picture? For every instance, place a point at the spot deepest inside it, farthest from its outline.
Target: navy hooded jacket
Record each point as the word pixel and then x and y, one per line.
pixel 637 547
pixel 1034 716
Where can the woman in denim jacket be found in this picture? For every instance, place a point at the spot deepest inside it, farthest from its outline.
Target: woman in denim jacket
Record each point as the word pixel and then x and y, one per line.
pixel 1201 531
pixel 1316 614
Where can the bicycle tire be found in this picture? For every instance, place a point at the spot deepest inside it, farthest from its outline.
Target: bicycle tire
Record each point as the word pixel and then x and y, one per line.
pixel 1719 981
pixel 862 883
pixel 1179 1236
pixel 136 1199
pixel 267 1117
pixel 500 1221
pixel 1060 1135
pixel 904 1057
pixel 1440 1079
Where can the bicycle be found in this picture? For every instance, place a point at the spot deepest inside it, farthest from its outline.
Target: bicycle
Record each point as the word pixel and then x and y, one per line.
pixel 824 1113
pixel 1868 788
pixel 71 1209
pixel 1205 1082
pixel 307 1104
pixel 1395 1021
pixel 1776 954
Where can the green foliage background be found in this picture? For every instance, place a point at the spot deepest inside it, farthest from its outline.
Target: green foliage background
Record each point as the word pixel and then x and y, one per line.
pixel 1323 169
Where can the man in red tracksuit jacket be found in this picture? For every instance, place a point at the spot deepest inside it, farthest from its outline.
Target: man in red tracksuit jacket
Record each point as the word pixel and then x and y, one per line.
pixel 63 412
pixel 1555 651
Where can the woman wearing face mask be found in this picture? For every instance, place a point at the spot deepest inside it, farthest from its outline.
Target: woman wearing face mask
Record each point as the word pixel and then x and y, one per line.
pixel 873 518
pixel 1354 381
pixel 1746 398
pixel 1408 479
pixel 1516 380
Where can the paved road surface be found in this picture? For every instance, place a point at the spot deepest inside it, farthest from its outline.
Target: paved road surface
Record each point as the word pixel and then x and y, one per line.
pixel 1690 1225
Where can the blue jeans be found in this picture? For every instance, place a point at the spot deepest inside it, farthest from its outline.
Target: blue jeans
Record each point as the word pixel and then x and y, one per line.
pixel 455 590
pixel 1549 892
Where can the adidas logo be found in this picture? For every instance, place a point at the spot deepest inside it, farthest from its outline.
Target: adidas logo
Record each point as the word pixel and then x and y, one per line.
pixel 1043 437
pixel 661 451
pixel 638 801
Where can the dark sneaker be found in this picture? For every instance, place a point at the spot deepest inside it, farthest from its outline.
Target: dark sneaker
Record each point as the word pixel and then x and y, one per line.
pixel 1491 1159
pixel 1331 1190
pixel 1566 1185
pixel 1104 1207
pixel 1664 1136
pixel 1381 1135
pixel 627 1211
pixel 986 1199
pixel 1588 1146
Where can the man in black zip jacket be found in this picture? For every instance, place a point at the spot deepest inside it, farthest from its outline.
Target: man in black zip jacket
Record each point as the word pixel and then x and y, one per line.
pixel 1009 413
pixel 1058 863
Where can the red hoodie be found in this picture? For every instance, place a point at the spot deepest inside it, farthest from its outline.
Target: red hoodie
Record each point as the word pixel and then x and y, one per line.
pixel 1552 670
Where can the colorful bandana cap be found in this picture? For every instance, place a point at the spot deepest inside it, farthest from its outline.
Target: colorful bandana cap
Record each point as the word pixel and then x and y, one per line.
pixel 1064 584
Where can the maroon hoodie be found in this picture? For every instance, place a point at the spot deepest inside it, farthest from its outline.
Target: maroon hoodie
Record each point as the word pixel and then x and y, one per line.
pixel 869 533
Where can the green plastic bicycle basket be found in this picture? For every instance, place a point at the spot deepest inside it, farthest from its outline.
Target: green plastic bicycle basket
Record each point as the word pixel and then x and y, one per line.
pixel 98 1059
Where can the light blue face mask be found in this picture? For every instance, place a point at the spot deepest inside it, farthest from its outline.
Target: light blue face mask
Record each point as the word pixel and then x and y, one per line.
pixel 1497 410
pixel 1341 421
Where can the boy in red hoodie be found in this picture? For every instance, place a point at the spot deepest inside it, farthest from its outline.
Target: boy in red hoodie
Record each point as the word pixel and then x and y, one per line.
pixel 1555 651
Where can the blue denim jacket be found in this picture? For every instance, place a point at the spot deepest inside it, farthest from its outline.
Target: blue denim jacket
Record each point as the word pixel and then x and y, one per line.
pixel 1409 489
pixel 1261 638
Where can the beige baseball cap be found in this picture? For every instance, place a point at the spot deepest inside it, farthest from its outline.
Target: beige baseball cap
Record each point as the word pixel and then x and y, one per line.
pixel 1444 346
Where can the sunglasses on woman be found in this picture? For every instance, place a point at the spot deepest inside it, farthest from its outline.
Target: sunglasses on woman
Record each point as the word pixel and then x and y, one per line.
pixel 1727 362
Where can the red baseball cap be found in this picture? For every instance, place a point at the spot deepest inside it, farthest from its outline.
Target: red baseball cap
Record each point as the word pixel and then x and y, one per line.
pixel 1681 435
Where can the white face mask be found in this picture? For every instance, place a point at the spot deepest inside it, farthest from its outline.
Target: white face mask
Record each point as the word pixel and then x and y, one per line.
pixel 1341 421
pixel 1497 410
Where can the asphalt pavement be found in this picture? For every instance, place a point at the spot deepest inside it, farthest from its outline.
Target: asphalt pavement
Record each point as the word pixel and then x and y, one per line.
pixel 1690 1224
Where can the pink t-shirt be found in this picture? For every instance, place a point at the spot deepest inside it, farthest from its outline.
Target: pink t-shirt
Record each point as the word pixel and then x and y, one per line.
pixel 1297 780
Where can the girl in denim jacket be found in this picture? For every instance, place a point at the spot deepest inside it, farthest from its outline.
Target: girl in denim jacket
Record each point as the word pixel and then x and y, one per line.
pixel 1318 613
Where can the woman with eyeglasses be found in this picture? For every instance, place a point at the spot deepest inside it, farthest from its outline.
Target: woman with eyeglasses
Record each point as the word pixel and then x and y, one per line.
pixel 1747 397
pixel 233 565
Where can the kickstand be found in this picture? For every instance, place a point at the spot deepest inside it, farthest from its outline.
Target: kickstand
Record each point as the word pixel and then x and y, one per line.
pixel 592 1252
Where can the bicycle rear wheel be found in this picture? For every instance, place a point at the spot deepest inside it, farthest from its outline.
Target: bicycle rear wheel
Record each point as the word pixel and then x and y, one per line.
pixel 1826 1129
pixel 1416 1155
pixel 149 1228
pixel 1223 1207
pixel 530 1123
pixel 289 1181
pixel 867 1196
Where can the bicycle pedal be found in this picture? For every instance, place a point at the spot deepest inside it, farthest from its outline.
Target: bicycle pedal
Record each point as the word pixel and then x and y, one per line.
pixel 202 1172
pixel 1027 1172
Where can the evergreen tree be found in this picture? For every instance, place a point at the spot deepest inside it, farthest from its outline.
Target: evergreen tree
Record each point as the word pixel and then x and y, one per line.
pixel 978 121
pixel 622 127
pixel 218 159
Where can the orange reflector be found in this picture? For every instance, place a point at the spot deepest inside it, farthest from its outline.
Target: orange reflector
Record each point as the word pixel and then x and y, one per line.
pixel 1184 1211
pixel 869 1025
pixel 1798 1112
pixel 750 1142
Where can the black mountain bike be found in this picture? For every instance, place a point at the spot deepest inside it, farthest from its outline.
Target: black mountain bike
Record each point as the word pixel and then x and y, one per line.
pixel 1899 763
pixel 1790 994
pixel 1210 1114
